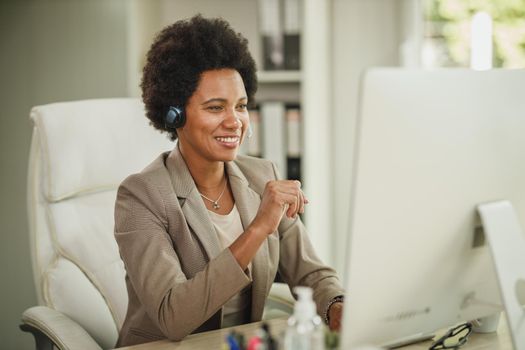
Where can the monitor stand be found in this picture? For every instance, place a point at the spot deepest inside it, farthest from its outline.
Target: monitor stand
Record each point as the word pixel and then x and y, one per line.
pixel 507 244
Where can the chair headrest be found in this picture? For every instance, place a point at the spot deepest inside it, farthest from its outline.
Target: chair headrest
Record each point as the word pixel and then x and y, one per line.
pixel 93 145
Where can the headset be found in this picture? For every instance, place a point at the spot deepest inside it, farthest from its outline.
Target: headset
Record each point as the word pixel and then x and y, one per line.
pixel 175 118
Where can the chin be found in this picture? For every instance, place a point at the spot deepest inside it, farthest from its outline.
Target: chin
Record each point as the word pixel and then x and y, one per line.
pixel 224 156
pixel 230 157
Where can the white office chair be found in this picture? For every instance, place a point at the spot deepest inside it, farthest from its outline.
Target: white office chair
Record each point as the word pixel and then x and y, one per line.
pixel 80 153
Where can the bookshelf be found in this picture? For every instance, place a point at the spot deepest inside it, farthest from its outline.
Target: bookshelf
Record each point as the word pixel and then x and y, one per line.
pixel 281 76
pixel 311 89
pixel 278 114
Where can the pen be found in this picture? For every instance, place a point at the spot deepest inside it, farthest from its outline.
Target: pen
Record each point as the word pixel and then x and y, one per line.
pixel 232 343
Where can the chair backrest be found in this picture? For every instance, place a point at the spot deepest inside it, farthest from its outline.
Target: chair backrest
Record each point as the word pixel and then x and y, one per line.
pixel 80 153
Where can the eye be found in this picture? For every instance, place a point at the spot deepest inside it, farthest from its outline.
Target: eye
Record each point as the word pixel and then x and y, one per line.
pixel 214 108
pixel 242 106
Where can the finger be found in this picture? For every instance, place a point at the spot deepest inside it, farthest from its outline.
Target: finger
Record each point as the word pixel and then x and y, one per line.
pixel 291 201
pixel 299 205
pixel 300 198
pixel 294 188
pixel 301 202
pixel 294 207
pixel 288 186
pixel 285 208
pixel 304 200
pixel 291 188
pixel 294 192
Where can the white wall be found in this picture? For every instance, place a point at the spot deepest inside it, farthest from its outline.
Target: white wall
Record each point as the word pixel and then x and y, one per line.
pixel 317 120
pixel 365 33
pixel 50 51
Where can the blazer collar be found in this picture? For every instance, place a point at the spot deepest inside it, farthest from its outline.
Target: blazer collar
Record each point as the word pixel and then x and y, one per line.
pixel 248 201
pixel 180 175
pixel 196 214
pixel 182 180
pixel 191 203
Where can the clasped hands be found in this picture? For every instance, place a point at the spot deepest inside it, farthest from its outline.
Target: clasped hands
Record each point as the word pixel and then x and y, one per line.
pixel 280 197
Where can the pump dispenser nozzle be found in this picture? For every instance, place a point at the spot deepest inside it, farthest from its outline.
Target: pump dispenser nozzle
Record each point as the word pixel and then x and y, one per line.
pixel 305 331
pixel 304 307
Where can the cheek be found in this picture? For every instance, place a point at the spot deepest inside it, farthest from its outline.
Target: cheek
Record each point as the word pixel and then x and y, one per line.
pixel 202 125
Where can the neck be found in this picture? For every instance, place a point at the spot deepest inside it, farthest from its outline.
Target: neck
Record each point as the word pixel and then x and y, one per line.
pixel 207 175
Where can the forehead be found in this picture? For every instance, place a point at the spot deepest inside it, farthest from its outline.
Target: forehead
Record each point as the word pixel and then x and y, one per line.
pixel 220 83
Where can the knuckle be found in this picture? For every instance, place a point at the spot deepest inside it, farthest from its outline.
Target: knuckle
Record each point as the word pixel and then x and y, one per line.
pixel 270 187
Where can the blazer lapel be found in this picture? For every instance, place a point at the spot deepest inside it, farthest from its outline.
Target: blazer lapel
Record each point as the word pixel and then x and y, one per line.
pixel 195 212
pixel 248 201
pixel 193 207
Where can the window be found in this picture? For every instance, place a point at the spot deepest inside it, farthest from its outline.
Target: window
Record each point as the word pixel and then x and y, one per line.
pixel 457 33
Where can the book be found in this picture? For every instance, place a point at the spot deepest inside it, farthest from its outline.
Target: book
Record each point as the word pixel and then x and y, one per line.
pixel 273 125
pixel 292 34
pixel 271 34
pixel 294 142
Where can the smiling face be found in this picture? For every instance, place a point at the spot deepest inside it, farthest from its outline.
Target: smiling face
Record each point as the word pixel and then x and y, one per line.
pixel 216 118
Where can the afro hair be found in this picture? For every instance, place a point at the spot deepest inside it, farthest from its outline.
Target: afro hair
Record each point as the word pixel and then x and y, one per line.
pixel 179 55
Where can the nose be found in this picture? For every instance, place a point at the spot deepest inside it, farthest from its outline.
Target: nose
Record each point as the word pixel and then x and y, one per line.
pixel 232 120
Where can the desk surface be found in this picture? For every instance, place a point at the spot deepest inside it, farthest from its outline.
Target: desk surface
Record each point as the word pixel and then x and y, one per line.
pixel 214 339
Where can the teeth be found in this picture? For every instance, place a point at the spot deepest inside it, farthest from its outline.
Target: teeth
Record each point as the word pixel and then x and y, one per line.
pixel 227 139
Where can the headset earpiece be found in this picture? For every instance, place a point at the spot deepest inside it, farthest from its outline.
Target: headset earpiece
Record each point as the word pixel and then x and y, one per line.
pixel 175 118
pixel 250 130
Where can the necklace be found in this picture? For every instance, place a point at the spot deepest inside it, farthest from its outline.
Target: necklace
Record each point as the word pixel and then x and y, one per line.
pixel 216 205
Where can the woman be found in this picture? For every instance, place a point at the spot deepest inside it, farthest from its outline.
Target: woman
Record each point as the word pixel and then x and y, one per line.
pixel 202 231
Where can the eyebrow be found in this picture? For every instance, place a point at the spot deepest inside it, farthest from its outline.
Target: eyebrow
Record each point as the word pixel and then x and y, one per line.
pixel 218 99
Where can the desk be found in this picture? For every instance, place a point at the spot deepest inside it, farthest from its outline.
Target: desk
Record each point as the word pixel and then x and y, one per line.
pixel 214 339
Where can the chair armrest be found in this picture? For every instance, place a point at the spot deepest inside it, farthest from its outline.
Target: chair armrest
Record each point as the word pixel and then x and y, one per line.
pixel 59 329
pixel 279 303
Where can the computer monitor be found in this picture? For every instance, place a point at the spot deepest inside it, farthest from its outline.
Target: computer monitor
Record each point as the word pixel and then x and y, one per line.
pixel 431 146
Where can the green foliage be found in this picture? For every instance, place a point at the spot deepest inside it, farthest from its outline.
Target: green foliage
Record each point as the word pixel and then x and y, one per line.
pixel 508 28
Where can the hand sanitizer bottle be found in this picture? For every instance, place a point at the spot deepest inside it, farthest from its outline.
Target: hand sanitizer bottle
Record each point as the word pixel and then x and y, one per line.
pixel 305 328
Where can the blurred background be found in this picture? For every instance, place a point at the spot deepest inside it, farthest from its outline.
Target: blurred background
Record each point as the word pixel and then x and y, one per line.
pixel 310 55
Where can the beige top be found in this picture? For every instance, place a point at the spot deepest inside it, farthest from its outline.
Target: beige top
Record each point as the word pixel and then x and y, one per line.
pixel 236 311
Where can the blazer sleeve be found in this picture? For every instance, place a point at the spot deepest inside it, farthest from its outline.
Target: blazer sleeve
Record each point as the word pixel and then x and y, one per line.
pixel 299 265
pixel 176 304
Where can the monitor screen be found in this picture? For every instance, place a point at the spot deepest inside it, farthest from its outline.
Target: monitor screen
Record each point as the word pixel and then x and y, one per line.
pixel 431 146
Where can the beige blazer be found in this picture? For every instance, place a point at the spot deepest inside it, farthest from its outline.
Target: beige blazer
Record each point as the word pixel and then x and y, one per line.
pixel 178 276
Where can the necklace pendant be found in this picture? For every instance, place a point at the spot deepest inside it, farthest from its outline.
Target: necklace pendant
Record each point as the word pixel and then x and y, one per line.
pixel 216 205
